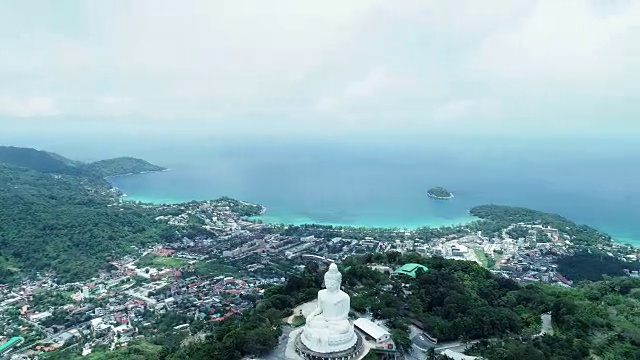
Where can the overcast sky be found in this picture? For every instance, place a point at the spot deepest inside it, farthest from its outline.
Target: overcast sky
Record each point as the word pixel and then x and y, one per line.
pixel 335 66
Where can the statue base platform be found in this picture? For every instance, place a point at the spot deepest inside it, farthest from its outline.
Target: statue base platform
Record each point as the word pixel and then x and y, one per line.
pixel 349 354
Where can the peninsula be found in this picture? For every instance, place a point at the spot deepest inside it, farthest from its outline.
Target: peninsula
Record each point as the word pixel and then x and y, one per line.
pixel 439 192
pixel 122 166
pixel 52 163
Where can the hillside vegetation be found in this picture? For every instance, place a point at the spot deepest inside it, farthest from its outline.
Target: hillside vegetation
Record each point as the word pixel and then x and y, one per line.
pixel 439 192
pixel 63 223
pixel 456 300
pixel 37 160
pixel 121 166
pixel 48 162
pixel 592 266
pixel 599 320
pixel 503 216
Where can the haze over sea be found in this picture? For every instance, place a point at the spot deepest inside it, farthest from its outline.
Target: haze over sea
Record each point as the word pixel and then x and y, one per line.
pixel 380 183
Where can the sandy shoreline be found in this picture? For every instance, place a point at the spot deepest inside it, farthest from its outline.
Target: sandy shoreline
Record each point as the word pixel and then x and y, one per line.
pixel 440 197
pixel 271 218
pixel 136 173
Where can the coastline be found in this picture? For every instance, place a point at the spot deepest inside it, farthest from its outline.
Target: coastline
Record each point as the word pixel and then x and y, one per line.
pixel 292 219
pixel 431 222
pixel 362 222
pixel 133 198
pixel 135 173
pixel 440 197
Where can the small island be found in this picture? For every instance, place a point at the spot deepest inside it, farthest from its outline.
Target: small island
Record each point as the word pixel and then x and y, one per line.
pixel 439 192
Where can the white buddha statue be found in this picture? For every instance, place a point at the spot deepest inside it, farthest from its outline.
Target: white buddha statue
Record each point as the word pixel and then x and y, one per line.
pixel 328 328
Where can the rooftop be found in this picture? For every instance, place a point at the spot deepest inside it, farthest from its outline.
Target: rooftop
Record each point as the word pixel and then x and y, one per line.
pixel 371 328
pixel 11 341
pixel 411 269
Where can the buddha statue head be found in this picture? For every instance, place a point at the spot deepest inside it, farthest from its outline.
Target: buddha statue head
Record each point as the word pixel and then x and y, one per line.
pixel 332 278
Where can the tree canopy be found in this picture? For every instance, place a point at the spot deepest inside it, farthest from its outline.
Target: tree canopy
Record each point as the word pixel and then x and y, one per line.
pixel 121 166
pixel 592 266
pixel 455 300
pixel 439 192
pixel 504 216
pixel 48 162
pixel 64 223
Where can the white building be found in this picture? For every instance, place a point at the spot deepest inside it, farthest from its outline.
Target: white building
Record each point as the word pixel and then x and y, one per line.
pixel 381 268
pixel 379 334
pixel 459 250
pixel 39 316
pixel 96 322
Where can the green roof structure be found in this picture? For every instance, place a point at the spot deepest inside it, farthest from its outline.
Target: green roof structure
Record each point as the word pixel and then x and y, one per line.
pixel 10 343
pixel 411 269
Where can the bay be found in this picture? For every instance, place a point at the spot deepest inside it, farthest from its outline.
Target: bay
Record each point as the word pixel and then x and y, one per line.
pixel 385 183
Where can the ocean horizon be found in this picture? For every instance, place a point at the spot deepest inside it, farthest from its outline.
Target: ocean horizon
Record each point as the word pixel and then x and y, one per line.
pixel 385 186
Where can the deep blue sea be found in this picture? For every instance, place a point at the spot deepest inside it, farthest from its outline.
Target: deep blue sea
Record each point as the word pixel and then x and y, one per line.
pixel 384 183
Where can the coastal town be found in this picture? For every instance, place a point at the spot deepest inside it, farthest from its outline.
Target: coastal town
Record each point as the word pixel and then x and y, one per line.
pixel 223 264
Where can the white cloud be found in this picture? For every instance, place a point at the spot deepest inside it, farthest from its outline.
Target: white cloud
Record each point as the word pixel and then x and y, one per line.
pixel 567 42
pixel 464 109
pixel 231 49
pixel 373 82
pixel 114 100
pixel 114 105
pixel 173 54
pixel 397 64
pixel 458 15
pixel 355 95
pixel 326 104
pixel 27 106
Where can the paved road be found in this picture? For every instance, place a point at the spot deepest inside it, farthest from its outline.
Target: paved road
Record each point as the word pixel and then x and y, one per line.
pixel 48 338
pixel 278 352
pixel 422 342
pixel 38 326
pixel 547 328
pixel 417 354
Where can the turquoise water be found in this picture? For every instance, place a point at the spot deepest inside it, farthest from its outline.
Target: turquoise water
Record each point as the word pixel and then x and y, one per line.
pixel 385 184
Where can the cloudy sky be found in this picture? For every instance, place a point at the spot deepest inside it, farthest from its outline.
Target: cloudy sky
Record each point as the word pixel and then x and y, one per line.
pixel 339 66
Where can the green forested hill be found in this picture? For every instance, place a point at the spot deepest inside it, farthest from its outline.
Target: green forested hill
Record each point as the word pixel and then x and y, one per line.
pixel 599 320
pixel 593 265
pixel 63 223
pixel 503 216
pixel 458 300
pixel 48 162
pixel 121 166
pixel 42 161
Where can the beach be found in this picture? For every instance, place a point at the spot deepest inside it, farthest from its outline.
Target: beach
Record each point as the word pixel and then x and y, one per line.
pixel 351 187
